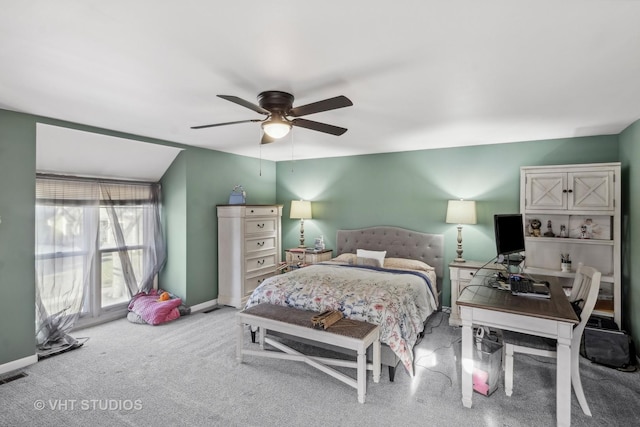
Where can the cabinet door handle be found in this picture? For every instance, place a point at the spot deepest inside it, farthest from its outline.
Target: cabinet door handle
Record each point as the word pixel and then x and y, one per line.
pixel 261 244
pixel 471 273
pixel 260 225
pixel 570 191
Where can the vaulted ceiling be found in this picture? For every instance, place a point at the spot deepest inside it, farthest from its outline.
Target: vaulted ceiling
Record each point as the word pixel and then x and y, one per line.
pixel 421 74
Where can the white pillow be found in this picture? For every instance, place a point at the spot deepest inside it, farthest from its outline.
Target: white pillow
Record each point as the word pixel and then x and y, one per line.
pixel 377 255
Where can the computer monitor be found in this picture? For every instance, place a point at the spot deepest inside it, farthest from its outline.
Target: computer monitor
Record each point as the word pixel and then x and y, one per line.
pixel 509 233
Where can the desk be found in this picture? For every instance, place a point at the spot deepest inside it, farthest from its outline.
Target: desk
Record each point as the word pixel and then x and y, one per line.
pixel 482 305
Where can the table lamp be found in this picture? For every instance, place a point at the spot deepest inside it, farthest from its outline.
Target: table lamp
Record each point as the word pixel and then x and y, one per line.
pixel 300 209
pixel 461 212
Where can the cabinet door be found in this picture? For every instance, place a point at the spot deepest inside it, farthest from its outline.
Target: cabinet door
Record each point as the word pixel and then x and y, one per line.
pixel 546 190
pixel 591 190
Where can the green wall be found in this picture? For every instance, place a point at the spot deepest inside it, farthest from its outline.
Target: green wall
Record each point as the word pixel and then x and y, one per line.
pixel 17 236
pixel 630 154
pixel 198 180
pixel 407 189
pixel 411 189
pixel 195 183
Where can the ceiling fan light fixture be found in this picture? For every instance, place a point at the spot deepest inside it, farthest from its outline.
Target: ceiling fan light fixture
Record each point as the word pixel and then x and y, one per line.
pixel 276 128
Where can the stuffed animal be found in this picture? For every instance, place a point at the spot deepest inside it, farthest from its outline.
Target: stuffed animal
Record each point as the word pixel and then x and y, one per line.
pixel 535 227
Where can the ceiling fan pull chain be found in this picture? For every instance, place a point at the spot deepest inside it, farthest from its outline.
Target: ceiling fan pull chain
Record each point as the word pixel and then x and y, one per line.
pixel 292 161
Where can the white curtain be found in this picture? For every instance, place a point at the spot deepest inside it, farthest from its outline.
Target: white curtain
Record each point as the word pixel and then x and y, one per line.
pixel 82 228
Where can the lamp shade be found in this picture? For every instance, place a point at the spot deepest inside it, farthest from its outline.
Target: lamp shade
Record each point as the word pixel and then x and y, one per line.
pixel 461 212
pixel 276 126
pixel 300 209
pixel 276 130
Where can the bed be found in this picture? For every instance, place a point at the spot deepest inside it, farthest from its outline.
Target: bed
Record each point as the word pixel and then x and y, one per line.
pixel 398 295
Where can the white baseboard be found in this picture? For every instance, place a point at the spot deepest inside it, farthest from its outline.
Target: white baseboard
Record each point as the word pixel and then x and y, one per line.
pixel 204 306
pixel 18 364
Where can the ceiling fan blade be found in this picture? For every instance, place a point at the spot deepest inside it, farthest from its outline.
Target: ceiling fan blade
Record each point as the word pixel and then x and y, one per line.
pixel 224 124
pixel 325 105
pixel 266 139
pixel 320 127
pixel 245 104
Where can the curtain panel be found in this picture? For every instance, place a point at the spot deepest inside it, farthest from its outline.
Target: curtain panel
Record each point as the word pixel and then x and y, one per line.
pixel 97 242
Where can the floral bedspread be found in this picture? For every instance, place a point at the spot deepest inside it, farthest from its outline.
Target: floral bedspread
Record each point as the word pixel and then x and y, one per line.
pixel 396 300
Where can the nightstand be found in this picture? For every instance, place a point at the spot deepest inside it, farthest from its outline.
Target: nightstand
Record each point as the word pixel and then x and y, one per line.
pixel 460 274
pixel 300 256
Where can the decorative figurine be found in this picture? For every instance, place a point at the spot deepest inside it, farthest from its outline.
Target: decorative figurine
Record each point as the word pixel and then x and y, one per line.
pixel 549 232
pixel 583 232
pixel 535 227
pixel 563 230
pixel 592 228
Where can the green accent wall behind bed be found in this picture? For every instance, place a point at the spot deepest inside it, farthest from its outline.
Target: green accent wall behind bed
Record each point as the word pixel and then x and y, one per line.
pixel 411 189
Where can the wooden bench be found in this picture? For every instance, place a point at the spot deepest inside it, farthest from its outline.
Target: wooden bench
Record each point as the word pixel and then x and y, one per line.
pixel 346 333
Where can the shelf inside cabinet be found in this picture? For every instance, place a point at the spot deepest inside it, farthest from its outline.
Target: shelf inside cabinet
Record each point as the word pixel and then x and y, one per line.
pixel 605 310
pixel 569 240
pixel 535 271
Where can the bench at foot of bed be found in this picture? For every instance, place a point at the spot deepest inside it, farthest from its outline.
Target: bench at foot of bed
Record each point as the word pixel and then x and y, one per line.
pixel 346 333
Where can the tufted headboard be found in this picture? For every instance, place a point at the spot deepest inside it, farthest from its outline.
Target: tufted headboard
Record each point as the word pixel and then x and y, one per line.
pixel 398 242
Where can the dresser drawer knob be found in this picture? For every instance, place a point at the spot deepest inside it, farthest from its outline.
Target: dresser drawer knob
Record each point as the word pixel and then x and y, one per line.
pixel 260 225
pixel 261 244
pixel 261 262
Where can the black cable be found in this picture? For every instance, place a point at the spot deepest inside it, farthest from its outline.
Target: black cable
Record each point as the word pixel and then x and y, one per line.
pixel 433 326
pixel 416 363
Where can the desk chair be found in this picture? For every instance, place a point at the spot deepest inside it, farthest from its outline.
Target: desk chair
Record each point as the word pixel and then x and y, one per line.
pixel 586 286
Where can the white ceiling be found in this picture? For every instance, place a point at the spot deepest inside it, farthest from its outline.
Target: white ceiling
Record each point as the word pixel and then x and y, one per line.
pixel 67 151
pixel 421 74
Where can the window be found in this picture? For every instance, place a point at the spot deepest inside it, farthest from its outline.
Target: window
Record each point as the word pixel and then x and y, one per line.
pixel 97 244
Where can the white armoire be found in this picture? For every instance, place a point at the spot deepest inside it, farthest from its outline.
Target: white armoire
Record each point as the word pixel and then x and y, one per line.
pixel 579 207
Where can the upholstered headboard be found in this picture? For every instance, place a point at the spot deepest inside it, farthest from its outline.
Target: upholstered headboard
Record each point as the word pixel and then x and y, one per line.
pixel 398 242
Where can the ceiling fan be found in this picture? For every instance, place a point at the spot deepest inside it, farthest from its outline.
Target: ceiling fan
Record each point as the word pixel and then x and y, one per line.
pixel 281 115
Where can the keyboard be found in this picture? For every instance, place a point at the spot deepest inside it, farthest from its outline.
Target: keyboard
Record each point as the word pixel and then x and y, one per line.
pixel 521 286
pixel 529 288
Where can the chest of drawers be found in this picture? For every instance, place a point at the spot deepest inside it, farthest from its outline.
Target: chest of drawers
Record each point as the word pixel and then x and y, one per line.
pixel 249 249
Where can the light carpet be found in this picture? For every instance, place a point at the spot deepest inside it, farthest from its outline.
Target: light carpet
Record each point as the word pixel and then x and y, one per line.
pixel 185 373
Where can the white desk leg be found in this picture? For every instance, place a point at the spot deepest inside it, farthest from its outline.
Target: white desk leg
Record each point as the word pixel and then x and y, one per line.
pixel 362 374
pixel 239 341
pixel 563 375
pixel 376 360
pixel 467 356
